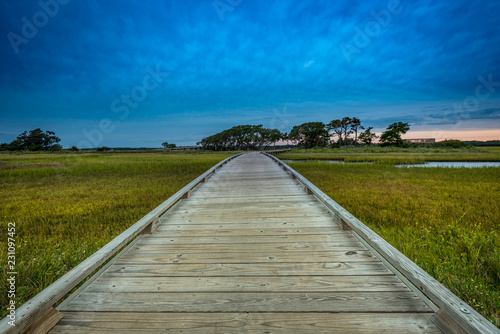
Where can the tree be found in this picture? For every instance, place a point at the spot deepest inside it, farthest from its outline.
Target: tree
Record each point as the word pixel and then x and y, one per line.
pixel 168 146
pixel 342 128
pixel 275 136
pixel 345 125
pixel 241 137
pixel 367 136
pixel 392 136
pixel 310 134
pixel 355 125
pixel 335 125
pixel 35 140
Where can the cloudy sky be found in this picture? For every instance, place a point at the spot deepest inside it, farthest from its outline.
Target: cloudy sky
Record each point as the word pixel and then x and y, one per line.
pixel 138 73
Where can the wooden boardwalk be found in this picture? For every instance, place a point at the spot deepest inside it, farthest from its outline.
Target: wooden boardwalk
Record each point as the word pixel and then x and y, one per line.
pixel 248 251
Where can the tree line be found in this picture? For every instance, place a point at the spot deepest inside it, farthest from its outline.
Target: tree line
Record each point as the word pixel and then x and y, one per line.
pixel 339 132
pixel 35 140
pixel 241 137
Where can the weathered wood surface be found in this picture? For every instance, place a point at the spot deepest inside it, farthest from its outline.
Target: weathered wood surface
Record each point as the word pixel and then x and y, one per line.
pixel 48 320
pixel 271 303
pixel 210 323
pixel 248 251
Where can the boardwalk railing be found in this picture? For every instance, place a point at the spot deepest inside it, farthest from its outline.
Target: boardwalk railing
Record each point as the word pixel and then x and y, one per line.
pixel 283 150
pixel 37 307
pixel 454 315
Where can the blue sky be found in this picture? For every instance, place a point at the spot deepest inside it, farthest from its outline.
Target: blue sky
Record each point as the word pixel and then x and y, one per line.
pixel 138 73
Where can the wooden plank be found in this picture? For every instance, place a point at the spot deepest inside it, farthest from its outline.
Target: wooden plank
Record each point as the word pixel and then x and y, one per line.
pixel 275 323
pixel 255 191
pixel 380 302
pixel 203 195
pixel 251 247
pixel 245 239
pixel 255 269
pixel 246 284
pixel 229 206
pixel 197 199
pixel 292 257
pixel 247 231
pixel 238 213
pixel 184 219
pixel 245 226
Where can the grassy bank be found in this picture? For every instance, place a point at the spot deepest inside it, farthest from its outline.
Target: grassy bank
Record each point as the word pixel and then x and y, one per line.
pixel 447 220
pixel 67 206
pixel 394 155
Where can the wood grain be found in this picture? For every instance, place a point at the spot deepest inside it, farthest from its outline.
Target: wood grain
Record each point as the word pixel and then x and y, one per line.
pixel 251 247
pixel 248 251
pixel 255 269
pixel 162 239
pixel 246 284
pixel 353 255
pixel 272 323
pixel 359 302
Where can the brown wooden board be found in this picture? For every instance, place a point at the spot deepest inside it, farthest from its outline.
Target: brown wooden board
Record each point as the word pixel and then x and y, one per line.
pixel 271 323
pixel 246 257
pixel 247 284
pixel 358 302
pixel 247 269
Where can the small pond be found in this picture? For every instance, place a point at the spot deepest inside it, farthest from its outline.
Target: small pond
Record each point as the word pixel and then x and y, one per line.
pixel 455 164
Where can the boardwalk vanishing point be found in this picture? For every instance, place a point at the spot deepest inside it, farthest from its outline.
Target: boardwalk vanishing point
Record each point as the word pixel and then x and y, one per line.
pixel 252 247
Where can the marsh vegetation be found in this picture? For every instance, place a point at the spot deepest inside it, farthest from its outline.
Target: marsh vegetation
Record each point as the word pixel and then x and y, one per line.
pixel 447 220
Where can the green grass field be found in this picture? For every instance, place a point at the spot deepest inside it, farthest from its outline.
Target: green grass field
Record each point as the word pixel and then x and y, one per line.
pixel 67 206
pixel 394 155
pixel 447 220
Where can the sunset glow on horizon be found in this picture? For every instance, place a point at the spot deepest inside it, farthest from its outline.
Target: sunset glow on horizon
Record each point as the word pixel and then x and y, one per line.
pixel 464 135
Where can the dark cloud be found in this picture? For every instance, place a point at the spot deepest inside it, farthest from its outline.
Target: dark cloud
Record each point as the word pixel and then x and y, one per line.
pixel 262 54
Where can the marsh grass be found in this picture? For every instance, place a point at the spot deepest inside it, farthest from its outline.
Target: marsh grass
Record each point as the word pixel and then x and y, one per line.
pixel 67 206
pixel 447 220
pixel 394 155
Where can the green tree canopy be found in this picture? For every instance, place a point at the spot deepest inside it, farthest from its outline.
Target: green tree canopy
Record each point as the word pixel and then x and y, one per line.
pixel 344 127
pixel 241 137
pixel 367 136
pixel 392 136
pixel 355 124
pixel 35 140
pixel 168 146
pixel 310 134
